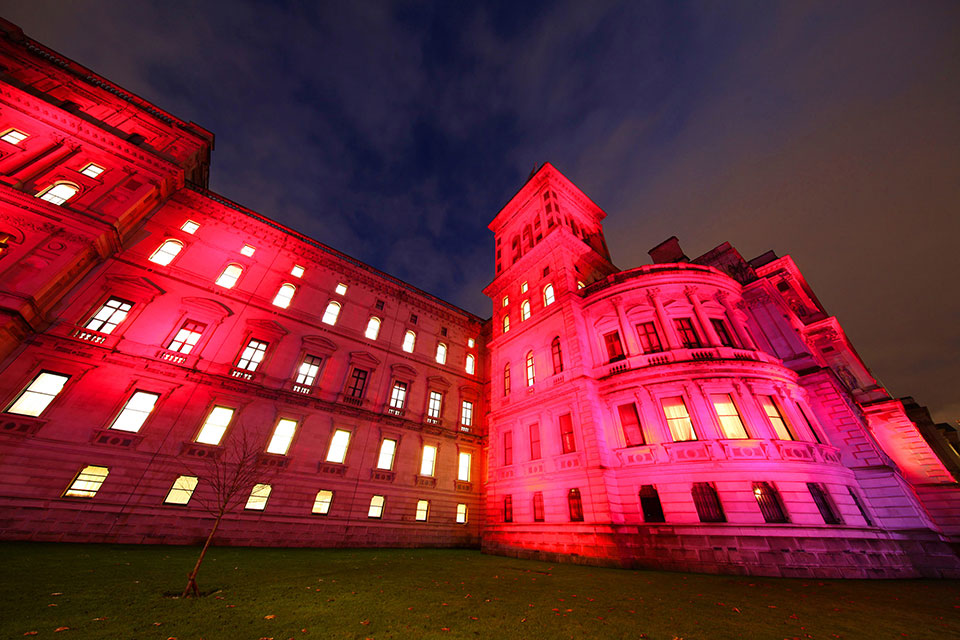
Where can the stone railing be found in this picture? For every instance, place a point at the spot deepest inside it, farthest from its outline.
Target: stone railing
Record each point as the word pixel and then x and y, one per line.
pixel 730 450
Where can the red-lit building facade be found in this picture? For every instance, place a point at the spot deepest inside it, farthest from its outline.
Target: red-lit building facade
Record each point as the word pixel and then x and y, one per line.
pixel 700 414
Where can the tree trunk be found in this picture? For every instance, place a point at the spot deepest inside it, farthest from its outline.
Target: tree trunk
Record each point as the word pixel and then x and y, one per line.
pixel 191 589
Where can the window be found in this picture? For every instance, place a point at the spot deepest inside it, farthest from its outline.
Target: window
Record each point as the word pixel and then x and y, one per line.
pixel 630 423
pixel 535 441
pixel 92 170
pixel 614 347
pixel 721 328
pixel 409 340
pixel 229 277
pixel 59 193
pixel 166 252
pixel 331 313
pixel 461 514
pixel 398 395
pixel 182 490
pixel 649 338
pixel 187 337
pixel 423 510
pixel 463 467
pixel 252 355
pixel 471 343
pixel 780 426
pixel 524 287
pixel 282 436
pixel 341 289
pixel 247 250
pixel 730 423
pixel 379 305
pixel 538 506
pixel 507 448
pixel 681 426
pixel 508 508
pixel 650 504
pixel 688 335
pixel 860 506
pixel 338 446
pixel 524 310
pixel 548 296
pixel 531 372
pixel 821 497
pixel 189 227
pixel 258 497
pixel 373 328
pixel 769 502
pixel 567 441
pixel 297 271
pixel 428 460
pixel 321 504
pixel 806 419
pixel 413 318
pixel 215 426
pixel 38 394
pixel 135 411
pixel 434 405
pixel 707 502
pixel 284 295
pixel 14 136
pixel 505 302
pixel 506 323
pixel 471 365
pixel 112 313
pixel 441 353
pixel 307 373
pixel 357 383
pixel 443 331
pixel 557 355
pixel 466 413
pixel 580 284
pixel 388 449
pixel 376 507
pixel 506 379
pixel 576 505
pixel 87 482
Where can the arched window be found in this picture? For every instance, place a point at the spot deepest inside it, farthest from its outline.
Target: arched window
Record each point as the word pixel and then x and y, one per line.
pixel 229 276
pixel 284 295
pixel 576 505
pixel 506 379
pixel 373 328
pixel 471 366
pixel 331 313
pixel 409 340
pixel 166 252
pixel 441 353
pixel 548 296
pixel 557 355
pixel 524 310
pixel 506 323
pixel 59 193
pixel 531 374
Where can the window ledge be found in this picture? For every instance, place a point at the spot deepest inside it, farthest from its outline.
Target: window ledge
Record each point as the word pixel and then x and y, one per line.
pixel 273 460
pixel 426 481
pixel 201 451
pixel 460 485
pixel 116 438
pixel 332 468
pixel 13 425
pixel 383 475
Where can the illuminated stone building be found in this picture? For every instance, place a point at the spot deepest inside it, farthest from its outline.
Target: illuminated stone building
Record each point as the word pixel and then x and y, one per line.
pixel 702 414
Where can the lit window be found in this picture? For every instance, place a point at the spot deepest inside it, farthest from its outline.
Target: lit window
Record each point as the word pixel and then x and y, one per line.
pixel 548 296
pixel 568 442
pixel 92 170
pixel 681 427
pixel 247 250
pixel 215 426
pixel 87 482
pixel 776 419
pixel 338 446
pixel 575 505
pixel 308 370
pixel 284 295
pixel 463 467
pixel 398 395
pixel 190 227
pixel 187 337
pixel 471 365
pixel 730 423
pixel 506 323
pixel 429 460
pixel 252 355
pixel 39 394
pixel 441 353
pixel 580 284
pixel 409 340
pixel 341 289
pixel 166 252
pixel 524 287
pixel 182 490
pixel 297 271
pixel 331 313
pixel 258 497
pixel 282 436
pixel 229 276
pixel 524 310
pixel 112 313
pixel 461 514
pixel 531 372
pixel 322 502
pixel 506 301
pixel 373 328
pixel 470 343
pixel 466 413
pixel 388 449
pixel 135 412
pixel 434 405
pixel 423 509
pixel 376 507
pixel 14 136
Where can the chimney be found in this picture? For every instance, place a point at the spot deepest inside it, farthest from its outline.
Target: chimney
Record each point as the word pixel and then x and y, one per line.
pixel 668 251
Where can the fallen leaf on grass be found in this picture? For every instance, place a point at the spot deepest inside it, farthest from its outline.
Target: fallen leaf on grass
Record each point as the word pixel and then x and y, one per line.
pixel 61 629
pixel 51 605
pixel 31 633
pixel 269 617
pixel 231 606
pixel 735 610
pixel 364 622
pixel 99 619
pixel 57 593
pixel 444 628
pixel 157 624
pixel 474 618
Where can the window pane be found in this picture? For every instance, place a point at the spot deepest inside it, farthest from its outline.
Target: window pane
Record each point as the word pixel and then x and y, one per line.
pixel 466 413
pixel 471 366
pixel 190 227
pixel 215 426
pixel 308 370
pixel 681 427
pixel 531 371
pixel 229 276
pixel 535 441
pixel 87 482
pixel 548 295
pixel 373 328
pixel 730 423
pixel 423 508
pixel 111 314
pixel 441 353
pixel 252 355
pixel 376 507
pixel 398 395
pixel 338 446
pixel 428 462
pixel 282 436
pixel 284 296
pixel 92 170
pixel 524 310
pixel 297 271
pixel 409 340
pixel 331 313
pixel 435 404
pixel 182 490
pixel 187 337
pixel 258 497
pixel 135 412
pixel 780 425
pixel 387 450
pixel 166 252
pixel 14 136
pixel 60 193
pixel 567 440
pixel 322 503
pixel 341 289
pixel 463 468
pixel 461 514
pixel 630 422
pixel 39 394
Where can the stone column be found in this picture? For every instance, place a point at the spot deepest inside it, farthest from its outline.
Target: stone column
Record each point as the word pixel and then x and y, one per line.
pixel 736 325
pixel 708 331
pixel 630 345
pixel 670 332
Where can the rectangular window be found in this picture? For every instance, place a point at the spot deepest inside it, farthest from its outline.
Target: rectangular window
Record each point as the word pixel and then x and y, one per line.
pixel 707 502
pixel 428 461
pixel 111 314
pixel 649 338
pixel 630 423
pixel 508 508
pixel 376 507
pixel 769 502
pixel 821 497
pixel 398 396
pixel 721 328
pixel 435 404
pixel 92 170
pixel 252 355
pixel 780 426
pixel 190 227
pixel 357 383
pixel 463 468
pixel 307 373
pixel 388 449
pixel 258 497
pixel 650 504
pixel 187 337
pixel 215 426
pixel 508 448
pixel 182 490
pixel 297 271
pixel 135 411
pixel 681 426
pixel 461 514
pixel 538 506
pixel 806 419
pixel 341 289
pixel 567 440
pixel 282 437
pixel 688 335
pixel 247 250
pixel 860 506
pixel 731 425
pixel 535 441
pixel 614 346
pixel 423 510
pixel 466 413
pixel 87 482
pixel 321 503
pixel 338 446
pixel 14 136
pixel 38 394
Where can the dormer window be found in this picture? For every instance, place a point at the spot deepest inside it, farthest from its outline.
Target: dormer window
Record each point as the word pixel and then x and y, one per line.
pixel 92 170
pixel 59 193
pixel 166 252
pixel 14 136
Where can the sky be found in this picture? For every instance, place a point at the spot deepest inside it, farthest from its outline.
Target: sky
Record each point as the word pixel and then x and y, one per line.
pixel 395 132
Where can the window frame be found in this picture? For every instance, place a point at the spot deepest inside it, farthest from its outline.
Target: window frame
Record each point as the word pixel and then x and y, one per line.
pixel 108 320
pixel 172 257
pixel 75 491
pixel 126 406
pixel 223 274
pixel 57 200
pixel 206 419
pixel 288 300
pixel 26 389
pixel 180 489
pixel 333 441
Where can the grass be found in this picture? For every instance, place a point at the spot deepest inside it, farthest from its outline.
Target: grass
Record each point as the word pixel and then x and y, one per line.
pixel 112 591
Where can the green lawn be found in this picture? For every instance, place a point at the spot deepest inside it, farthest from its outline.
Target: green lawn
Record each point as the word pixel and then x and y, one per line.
pixel 108 591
